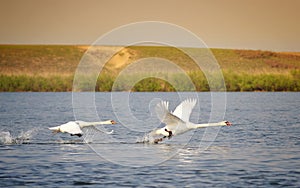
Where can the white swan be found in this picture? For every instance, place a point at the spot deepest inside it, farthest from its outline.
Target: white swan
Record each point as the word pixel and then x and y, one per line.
pixel 74 127
pixel 177 122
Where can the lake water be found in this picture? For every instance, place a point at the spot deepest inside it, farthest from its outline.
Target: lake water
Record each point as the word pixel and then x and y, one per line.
pixel 262 148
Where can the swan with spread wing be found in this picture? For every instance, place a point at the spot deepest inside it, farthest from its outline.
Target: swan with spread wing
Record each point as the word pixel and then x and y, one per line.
pixel 74 127
pixel 177 122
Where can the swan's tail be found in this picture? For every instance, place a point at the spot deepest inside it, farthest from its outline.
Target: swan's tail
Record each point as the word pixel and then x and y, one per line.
pixel 55 129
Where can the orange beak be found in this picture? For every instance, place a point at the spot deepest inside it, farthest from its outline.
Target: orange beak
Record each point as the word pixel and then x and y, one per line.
pixel 228 123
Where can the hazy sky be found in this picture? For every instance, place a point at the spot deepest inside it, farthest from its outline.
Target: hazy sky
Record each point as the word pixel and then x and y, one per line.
pixel 243 24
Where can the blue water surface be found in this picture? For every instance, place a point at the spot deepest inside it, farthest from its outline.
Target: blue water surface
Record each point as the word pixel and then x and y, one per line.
pixel 262 148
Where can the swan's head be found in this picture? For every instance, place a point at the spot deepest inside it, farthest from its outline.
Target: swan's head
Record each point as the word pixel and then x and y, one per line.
pixel 109 122
pixel 226 123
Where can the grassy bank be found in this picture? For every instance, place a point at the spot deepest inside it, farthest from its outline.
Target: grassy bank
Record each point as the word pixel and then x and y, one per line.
pixel 14 83
pixel 52 68
pixel 234 82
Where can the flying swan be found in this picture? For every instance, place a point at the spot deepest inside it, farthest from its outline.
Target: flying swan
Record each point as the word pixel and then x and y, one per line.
pixel 177 122
pixel 74 127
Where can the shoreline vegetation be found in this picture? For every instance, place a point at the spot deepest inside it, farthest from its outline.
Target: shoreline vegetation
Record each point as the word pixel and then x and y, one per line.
pixel 51 68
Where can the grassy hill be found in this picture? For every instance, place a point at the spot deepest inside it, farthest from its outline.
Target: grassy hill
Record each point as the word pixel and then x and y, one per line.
pixel 52 68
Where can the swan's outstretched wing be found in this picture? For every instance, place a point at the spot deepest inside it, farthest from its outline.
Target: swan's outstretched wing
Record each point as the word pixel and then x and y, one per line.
pixel 83 124
pixel 71 127
pixel 165 116
pixel 92 125
pixel 184 109
pixel 99 130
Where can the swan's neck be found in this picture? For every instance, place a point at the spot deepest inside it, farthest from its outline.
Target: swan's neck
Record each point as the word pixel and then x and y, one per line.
pixel 204 125
pixel 108 122
pixel 87 124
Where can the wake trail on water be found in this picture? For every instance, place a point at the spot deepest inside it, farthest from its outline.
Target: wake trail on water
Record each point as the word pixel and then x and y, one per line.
pixel 6 137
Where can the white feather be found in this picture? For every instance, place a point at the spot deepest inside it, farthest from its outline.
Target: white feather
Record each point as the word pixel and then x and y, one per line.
pixel 183 110
pixel 74 127
pixel 178 121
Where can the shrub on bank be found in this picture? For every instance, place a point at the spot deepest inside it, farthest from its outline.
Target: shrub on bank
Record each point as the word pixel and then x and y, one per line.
pixel 175 82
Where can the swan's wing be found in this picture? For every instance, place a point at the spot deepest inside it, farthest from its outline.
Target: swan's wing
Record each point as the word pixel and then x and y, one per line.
pixel 84 124
pixel 165 116
pixel 99 130
pixel 87 124
pixel 92 125
pixel 184 109
pixel 71 127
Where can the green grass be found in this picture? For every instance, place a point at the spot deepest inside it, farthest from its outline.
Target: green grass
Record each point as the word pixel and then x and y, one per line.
pixel 52 68
pixel 263 82
pixel 12 83
pixel 234 82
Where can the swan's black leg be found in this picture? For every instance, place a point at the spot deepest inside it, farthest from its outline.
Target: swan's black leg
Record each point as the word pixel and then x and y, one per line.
pixel 158 140
pixel 161 139
pixel 79 135
pixel 170 133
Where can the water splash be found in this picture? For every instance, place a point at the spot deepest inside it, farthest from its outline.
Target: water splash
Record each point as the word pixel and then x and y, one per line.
pixel 7 138
pixel 147 138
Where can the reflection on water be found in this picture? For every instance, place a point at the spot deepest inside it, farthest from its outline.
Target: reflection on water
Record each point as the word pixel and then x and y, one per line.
pixel 134 154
